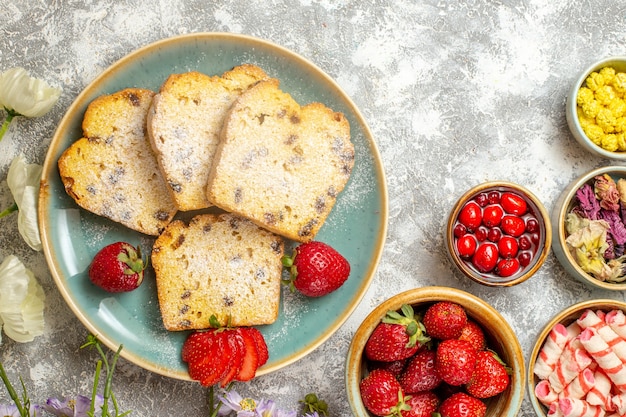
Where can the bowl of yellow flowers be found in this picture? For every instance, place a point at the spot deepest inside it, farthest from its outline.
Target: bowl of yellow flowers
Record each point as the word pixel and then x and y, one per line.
pixel 589 229
pixel 596 108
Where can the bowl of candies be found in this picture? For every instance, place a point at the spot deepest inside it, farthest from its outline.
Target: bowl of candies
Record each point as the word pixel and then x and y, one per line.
pixel 498 234
pixel 577 365
pixel 596 108
pixel 588 221
pixel 435 349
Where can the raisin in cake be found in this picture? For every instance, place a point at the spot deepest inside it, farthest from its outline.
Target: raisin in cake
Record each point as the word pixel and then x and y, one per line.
pixel 111 171
pixel 221 265
pixel 184 125
pixel 279 164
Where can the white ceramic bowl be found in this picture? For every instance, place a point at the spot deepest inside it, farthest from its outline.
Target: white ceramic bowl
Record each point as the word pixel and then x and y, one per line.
pixel 500 338
pixel 539 250
pixel 619 64
pixel 565 317
pixel 562 207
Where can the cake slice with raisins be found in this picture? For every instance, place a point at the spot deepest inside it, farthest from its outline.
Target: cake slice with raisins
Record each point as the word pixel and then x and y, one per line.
pixel 184 124
pixel 280 164
pixel 222 265
pixel 111 171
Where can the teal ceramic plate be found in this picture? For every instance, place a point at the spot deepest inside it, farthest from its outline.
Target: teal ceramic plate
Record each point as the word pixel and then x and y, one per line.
pixel 356 226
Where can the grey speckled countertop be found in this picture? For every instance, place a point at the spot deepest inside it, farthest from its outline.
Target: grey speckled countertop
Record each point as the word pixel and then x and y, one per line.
pixel 455 93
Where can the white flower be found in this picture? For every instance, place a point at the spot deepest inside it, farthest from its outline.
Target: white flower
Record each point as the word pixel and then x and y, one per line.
pixel 21 301
pixel 23 180
pixel 27 96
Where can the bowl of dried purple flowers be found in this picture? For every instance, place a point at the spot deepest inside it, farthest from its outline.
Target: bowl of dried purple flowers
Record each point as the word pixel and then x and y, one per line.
pixel 589 228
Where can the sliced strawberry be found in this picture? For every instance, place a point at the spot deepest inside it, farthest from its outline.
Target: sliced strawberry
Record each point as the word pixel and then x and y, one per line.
pixel 262 350
pixel 250 357
pixel 237 349
pixel 205 354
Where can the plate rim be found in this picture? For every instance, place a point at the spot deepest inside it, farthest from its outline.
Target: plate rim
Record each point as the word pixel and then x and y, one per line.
pixel 50 168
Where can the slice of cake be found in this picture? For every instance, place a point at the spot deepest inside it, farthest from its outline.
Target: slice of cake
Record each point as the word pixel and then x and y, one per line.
pixel 184 125
pixel 111 171
pixel 279 164
pixel 221 265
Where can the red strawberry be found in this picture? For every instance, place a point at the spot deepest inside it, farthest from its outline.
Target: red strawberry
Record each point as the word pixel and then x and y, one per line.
pixel 117 267
pixel 381 393
pixel 316 269
pixel 395 367
pixel 397 337
pixel 262 350
pixel 251 356
pixel 455 361
pixel 420 373
pixel 490 376
pixel 236 350
pixel 462 405
pixel 422 404
pixel 445 320
pixel 205 355
pixel 473 333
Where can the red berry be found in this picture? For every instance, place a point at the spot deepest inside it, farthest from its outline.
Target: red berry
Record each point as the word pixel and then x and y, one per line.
pixel 494 234
pixel 485 257
pixel 444 320
pixel 481 233
pixel 493 197
pixel 462 405
pixel 490 376
pixel 524 243
pixel 492 215
pixel 466 246
pixel 482 199
pixel 397 337
pixel 380 391
pixel 513 225
pixel 532 225
pixel 316 269
pixel 470 216
pixel 473 333
pixel 459 230
pixel 455 361
pixel 117 267
pixel 422 404
pixel 513 204
pixel 507 267
pixel 508 247
pixel 535 238
pixel 525 258
pixel 420 373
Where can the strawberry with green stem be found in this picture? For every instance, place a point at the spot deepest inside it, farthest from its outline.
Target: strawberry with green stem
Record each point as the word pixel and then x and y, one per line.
pixel 398 336
pixel 316 269
pixel 382 395
pixel 118 267
pixel 490 376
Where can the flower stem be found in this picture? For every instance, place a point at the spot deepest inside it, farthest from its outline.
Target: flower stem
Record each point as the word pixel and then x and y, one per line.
pixel 5 125
pixel 3 375
pixel 8 211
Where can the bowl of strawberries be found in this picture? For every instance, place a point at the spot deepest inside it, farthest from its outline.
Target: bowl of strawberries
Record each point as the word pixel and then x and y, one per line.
pixel 435 349
pixel 498 234
pixel 578 363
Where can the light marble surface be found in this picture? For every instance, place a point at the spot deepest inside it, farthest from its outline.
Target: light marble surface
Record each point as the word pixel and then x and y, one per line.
pixel 455 93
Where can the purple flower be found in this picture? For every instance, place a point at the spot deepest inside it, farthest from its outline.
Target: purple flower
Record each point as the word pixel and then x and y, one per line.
pixel 233 401
pixel 77 407
pixel 268 408
pixel 11 410
pixel 617 230
pixel 588 204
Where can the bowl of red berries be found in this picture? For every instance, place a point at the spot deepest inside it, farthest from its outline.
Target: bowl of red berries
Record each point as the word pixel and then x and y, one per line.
pixel 577 365
pixel 498 234
pixel 435 350
pixel 589 226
